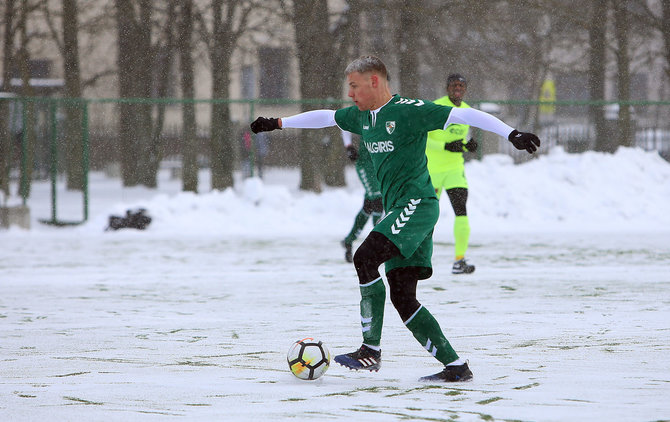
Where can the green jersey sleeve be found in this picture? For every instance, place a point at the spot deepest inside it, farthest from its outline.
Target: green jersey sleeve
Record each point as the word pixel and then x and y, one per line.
pixel 349 119
pixel 429 116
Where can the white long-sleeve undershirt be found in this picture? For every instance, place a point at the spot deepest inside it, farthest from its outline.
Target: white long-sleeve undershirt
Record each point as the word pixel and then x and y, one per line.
pixel 317 119
pixel 480 119
pixel 346 138
pixel 314 119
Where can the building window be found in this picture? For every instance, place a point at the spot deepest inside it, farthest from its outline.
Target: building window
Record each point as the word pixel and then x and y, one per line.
pixel 274 72
pixel 37 68
pixel 248 82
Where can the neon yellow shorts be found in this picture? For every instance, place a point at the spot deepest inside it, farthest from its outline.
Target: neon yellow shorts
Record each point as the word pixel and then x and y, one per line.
pixel 448 180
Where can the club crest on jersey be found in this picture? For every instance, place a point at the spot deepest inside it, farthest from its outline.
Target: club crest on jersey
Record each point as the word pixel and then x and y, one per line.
pixel 390 127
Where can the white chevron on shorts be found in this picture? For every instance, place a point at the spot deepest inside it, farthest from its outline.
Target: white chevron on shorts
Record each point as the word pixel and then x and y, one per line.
pixel 404 216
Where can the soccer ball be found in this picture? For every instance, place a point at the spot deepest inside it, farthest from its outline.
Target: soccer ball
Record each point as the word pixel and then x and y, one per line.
pixel 308 358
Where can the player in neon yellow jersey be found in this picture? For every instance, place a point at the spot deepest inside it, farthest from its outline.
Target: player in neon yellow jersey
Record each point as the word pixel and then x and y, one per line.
pixel 394 129
pixel 444 149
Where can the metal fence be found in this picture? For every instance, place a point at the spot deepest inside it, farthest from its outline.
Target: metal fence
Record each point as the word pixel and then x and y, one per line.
pixel 33 135
pixel 565 124
pixel 569 124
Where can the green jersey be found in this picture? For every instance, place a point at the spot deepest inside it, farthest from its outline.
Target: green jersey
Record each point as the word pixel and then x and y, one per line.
pixel 395 137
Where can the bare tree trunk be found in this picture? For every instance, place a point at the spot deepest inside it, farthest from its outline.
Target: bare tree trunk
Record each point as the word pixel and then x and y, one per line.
pixel 621 25
pixel 140 152
pixel 408 39
pixel 311 22
pixel 129 148
pixel 221 147
pixel 333 169
pixel 537 74
pixel 189 135
pixel 5 132
pixel 221 142
pixel 665 4
pixel 597 66
pixel 163 57
pixel 345 38
pixel 73 112
pixel 145 59
pixel 28 134
pixel 321 75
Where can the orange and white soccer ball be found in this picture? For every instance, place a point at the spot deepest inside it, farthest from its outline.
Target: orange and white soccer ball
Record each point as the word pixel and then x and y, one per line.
pixel 308 358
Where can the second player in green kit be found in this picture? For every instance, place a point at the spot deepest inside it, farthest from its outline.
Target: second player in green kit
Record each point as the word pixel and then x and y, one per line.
pixel 372 200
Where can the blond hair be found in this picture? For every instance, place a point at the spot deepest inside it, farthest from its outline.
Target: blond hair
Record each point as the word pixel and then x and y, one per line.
pixel 365 64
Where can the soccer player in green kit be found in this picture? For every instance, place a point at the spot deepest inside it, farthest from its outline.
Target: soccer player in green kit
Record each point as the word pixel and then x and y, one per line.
pixel 372 201
pixel 393 129
pixel 444 150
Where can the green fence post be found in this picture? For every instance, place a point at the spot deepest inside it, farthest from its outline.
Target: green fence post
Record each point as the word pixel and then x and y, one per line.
pixel 251 111
pixel 54 158
pixel 24 151
pixel 85 158
pixel 252 157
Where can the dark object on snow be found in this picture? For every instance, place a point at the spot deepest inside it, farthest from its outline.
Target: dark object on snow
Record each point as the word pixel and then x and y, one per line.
pixel 133 220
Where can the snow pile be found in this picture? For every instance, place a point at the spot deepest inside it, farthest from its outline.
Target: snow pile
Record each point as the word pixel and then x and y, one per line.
pixel 625 191
pixel 629 190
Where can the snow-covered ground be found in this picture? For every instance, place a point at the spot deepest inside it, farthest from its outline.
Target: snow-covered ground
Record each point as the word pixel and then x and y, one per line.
pixel 566 317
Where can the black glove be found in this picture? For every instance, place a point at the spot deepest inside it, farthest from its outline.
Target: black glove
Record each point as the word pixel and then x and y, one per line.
pixel 263 124
pixel 456 146
pixel 472 145
pixel 524 140
pixel 352 153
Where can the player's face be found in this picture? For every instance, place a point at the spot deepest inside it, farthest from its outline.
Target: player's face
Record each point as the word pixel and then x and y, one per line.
pixel 456 91
pixel 361 89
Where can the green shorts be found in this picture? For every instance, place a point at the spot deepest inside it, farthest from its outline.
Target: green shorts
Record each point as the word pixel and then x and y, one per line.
pixel 410 228
pixel 449 179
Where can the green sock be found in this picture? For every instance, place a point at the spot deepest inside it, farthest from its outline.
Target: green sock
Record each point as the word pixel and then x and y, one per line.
pixel 359 223
pixel 373 298
pixel 461 235
pixel 427 331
